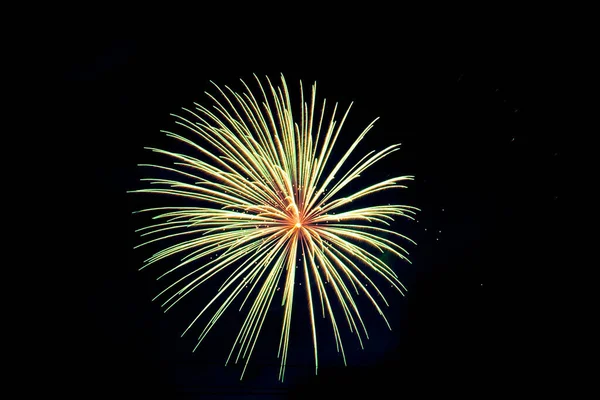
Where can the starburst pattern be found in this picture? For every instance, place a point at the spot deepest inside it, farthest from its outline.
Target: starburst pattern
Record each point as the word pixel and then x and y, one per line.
pixel 268 202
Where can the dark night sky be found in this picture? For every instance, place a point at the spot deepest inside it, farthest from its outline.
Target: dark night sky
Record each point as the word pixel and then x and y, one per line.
pixel 488 166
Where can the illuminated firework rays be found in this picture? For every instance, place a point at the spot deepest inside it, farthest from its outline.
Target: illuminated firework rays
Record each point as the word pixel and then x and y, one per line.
pixel 269 201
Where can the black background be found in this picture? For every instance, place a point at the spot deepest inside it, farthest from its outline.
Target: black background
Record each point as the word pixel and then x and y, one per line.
pixel 480 134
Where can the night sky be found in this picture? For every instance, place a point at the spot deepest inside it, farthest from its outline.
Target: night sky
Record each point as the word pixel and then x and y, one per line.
pixel 488 166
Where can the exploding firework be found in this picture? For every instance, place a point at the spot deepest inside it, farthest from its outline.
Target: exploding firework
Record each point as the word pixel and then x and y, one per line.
pixel 267 200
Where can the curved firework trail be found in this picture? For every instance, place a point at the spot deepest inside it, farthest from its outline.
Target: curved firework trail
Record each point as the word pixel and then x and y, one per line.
pixel 268 204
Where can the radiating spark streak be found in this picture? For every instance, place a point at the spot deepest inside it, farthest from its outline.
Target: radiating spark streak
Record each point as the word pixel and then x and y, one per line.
pixel 309 299
pixel 268 201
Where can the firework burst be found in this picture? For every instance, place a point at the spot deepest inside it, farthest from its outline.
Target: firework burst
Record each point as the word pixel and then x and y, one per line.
pixel 270 204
